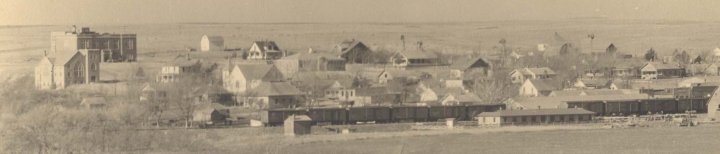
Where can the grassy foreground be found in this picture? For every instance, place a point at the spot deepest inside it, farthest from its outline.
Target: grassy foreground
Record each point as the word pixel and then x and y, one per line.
pixel 641 140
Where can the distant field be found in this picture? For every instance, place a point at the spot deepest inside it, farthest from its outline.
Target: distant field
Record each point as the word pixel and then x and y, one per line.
pixel 645 140
pixel 21 47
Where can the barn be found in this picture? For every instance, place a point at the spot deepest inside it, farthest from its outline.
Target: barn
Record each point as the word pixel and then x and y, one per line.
pixel 212 43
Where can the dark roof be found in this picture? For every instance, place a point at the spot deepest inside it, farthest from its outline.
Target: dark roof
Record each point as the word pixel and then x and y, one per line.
pixel 506 113
pixel 466 63
pixel 276 89
pixel 269 44
pixel 348 45
pixel 218 40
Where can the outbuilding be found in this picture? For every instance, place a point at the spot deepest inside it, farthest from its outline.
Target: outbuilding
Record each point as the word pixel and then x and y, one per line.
pixel 297 125
pixel 505 117
pixel 212 43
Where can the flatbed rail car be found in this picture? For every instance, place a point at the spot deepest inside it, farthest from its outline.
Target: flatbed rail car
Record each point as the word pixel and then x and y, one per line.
pixel 379 114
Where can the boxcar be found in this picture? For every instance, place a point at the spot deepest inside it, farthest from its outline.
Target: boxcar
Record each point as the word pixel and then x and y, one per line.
pixel 402 113
pixel 422 113
pixel 364 114
pixel 443 112
pixel 328 115
pixel 278 116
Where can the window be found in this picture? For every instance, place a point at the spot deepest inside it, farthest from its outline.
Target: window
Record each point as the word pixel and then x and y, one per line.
pixel 237 84
pixel 131 44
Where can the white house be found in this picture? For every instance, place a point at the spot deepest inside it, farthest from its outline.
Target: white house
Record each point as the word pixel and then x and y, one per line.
pixel 212 43
pixel 520 75
pixel 265 50
pixel 174 71
pixel 535 88
pixel 238 78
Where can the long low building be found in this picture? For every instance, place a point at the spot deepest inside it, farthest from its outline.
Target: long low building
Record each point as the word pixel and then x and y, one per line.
pixel 608 105
pixel 505 117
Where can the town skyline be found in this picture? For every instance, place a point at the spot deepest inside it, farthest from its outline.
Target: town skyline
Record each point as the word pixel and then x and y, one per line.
pixel 52 12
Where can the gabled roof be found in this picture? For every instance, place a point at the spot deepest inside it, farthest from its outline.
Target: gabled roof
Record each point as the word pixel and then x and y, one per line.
pixel 276 89
pixel 215 40
pixel 663 66
pixel 534 112
pixel 466 63
pixel 63 58
pixel 546 84
pixel 49 60
pixel 254 71
pixel 348 45
pixel 271 44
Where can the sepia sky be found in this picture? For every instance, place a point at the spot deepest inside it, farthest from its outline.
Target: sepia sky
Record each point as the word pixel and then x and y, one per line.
pixel 24 12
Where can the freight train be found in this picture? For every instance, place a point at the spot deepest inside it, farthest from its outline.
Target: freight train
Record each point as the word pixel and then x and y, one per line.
pixel 379 114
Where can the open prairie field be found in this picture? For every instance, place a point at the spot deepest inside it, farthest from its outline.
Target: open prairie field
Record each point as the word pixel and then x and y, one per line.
pixel 22 46
pixel 644 140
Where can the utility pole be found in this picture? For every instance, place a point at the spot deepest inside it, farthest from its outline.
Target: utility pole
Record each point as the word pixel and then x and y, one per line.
pixel 592 37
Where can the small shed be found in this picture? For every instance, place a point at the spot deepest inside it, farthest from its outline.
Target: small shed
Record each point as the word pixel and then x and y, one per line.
pixel 297 125
pixel 212 43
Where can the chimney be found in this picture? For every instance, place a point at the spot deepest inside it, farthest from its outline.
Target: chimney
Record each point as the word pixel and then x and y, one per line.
pixel 310 50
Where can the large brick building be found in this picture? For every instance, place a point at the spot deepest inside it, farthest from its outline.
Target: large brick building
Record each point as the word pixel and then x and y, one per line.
pixel 112 47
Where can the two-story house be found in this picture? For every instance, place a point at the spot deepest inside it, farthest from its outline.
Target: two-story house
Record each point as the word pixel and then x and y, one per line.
pixel 175 70
pixel 520 75
pixel 239 78
pixel 265 50
pixel 355 52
